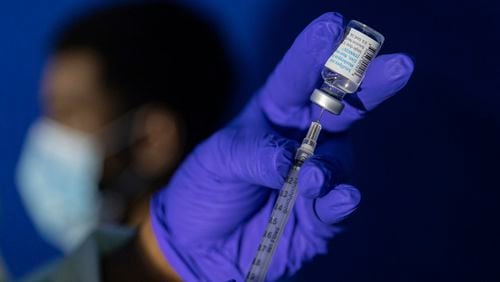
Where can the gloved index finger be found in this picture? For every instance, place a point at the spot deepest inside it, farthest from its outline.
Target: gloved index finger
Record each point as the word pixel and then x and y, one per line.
pixel 296 76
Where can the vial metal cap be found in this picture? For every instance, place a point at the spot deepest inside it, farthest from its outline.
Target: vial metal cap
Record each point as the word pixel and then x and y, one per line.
pixel 327 102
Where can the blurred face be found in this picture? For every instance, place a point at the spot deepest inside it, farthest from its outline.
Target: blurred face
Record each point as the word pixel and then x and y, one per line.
pixel 61 163
pixel 73 94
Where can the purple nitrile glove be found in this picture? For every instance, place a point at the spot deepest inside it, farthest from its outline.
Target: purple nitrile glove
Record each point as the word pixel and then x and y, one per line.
pixel 210 219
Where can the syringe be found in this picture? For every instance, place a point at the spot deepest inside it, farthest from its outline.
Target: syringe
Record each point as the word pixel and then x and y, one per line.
pixel 282 208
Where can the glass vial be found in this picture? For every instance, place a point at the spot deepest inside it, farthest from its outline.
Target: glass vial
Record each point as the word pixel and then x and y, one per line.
pixel 346 67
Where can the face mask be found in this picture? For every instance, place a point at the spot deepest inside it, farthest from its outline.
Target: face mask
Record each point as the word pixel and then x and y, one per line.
pixel 57 178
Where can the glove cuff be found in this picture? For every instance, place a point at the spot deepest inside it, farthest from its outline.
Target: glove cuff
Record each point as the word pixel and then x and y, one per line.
pixel 192 263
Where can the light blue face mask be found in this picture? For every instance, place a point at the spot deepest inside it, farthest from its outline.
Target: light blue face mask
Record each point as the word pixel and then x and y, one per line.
pixel 57 178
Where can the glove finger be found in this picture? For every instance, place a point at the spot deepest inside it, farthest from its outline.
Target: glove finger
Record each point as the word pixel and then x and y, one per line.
pixel 295 77
pixel 337 204
pixel 385 76
pixel 316 177
pixel 330 166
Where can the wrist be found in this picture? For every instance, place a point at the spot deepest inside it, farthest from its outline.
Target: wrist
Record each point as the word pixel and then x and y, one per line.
pixel 152 253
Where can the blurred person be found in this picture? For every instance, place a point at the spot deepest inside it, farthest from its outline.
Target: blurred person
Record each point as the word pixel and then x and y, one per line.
pixel 126 92
pixel 206 223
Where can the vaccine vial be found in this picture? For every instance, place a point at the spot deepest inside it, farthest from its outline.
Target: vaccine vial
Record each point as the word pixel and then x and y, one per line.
pixel 345 69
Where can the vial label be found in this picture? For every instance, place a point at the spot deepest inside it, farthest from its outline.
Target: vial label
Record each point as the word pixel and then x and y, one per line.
pixel 353 55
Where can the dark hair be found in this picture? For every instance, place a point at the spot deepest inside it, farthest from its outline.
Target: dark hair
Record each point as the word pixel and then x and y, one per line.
pixel 157 53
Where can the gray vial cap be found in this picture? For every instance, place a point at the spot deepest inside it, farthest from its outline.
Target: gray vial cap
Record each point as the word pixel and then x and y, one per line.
pixel 327 102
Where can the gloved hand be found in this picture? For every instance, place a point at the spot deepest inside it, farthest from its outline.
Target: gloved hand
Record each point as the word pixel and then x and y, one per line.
pixel 210 219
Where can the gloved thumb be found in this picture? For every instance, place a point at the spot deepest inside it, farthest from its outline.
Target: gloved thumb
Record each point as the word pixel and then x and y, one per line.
pixel 288 88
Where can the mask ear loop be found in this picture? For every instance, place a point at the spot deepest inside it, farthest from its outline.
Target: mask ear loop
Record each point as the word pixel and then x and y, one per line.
pixel 131 185
pixel 120 131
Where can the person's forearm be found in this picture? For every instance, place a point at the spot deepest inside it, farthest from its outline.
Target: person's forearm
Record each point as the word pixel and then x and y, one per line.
pixel 138 260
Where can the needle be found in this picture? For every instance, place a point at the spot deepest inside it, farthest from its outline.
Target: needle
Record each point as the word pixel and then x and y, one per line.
pixel 320 115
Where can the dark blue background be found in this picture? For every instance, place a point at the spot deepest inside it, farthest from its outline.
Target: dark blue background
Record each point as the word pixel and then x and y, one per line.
pixel 427 160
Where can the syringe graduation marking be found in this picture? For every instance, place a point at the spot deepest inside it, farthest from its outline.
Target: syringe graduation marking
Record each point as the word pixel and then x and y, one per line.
pixel 279 217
